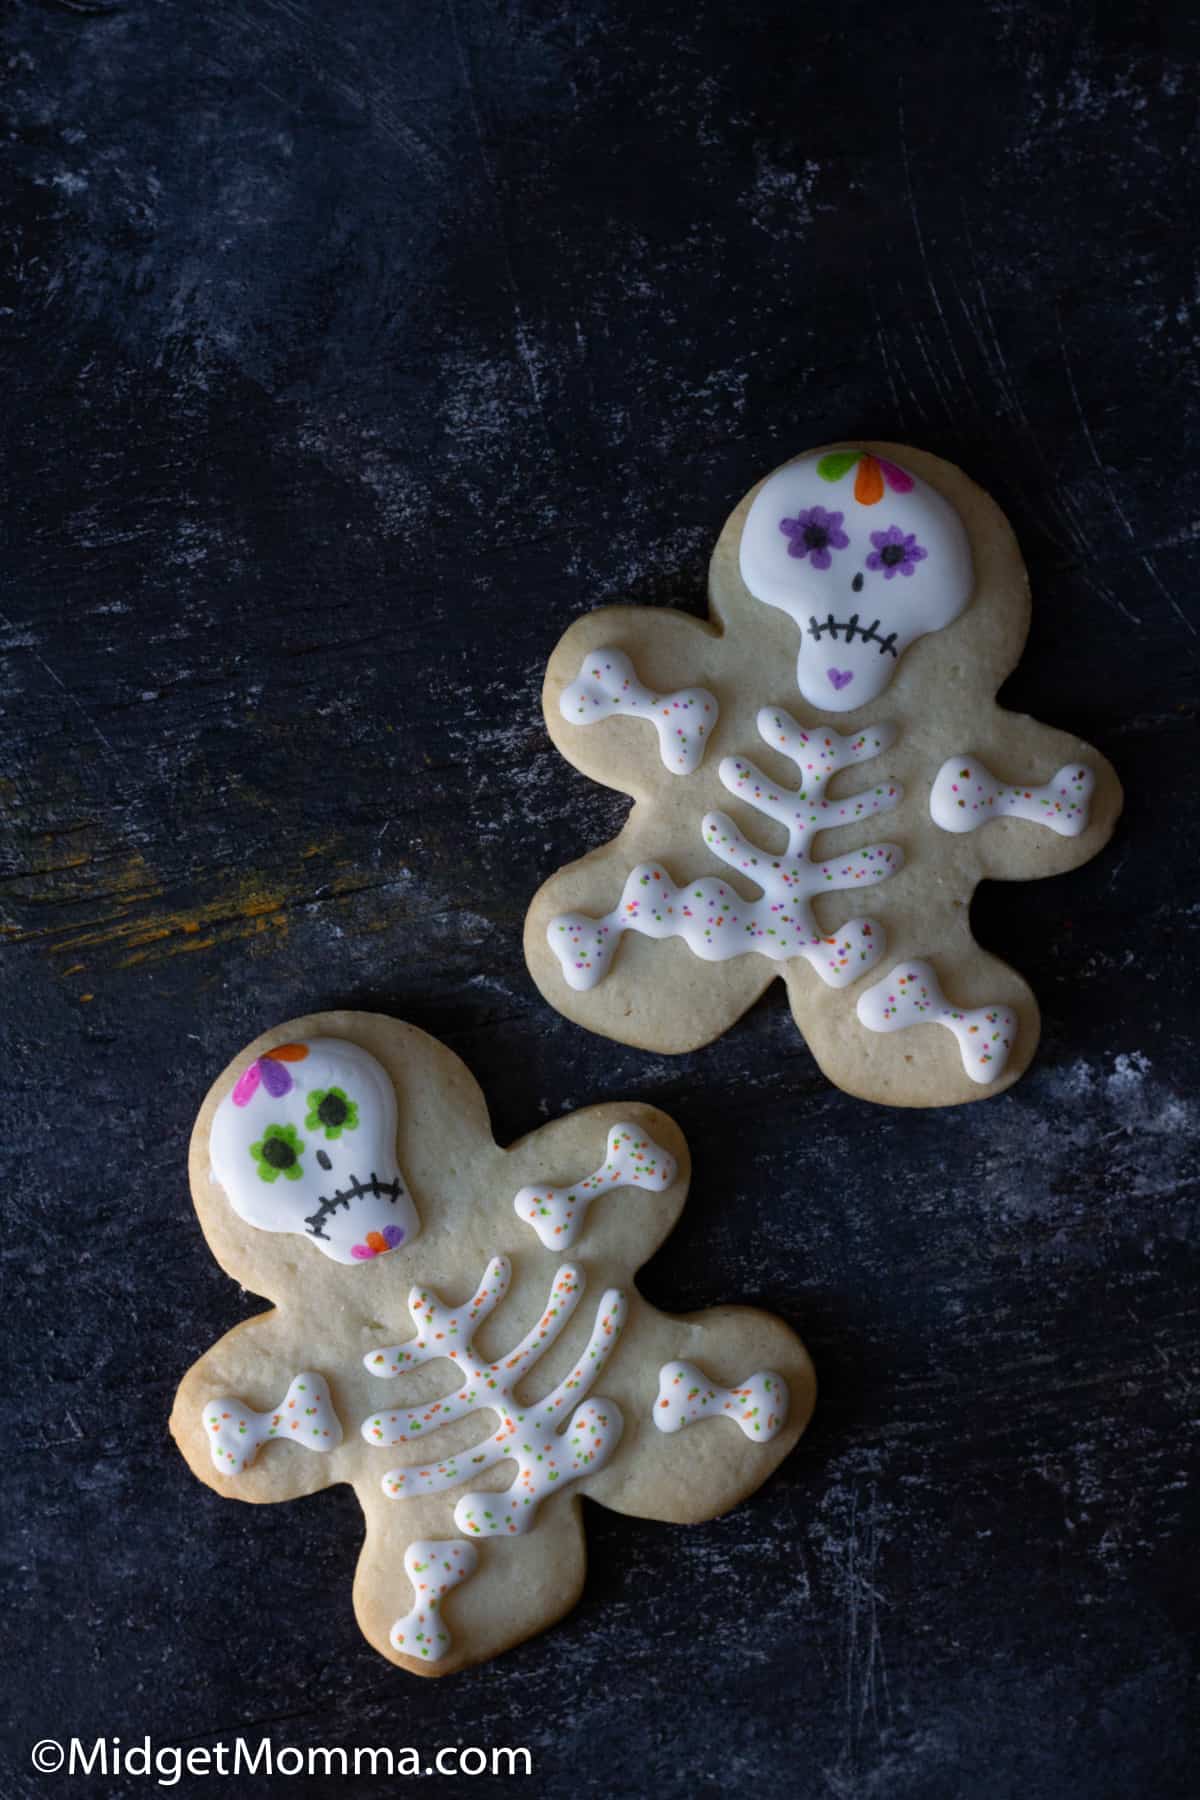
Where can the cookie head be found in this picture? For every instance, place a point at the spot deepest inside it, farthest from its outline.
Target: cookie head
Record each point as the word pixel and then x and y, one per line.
pixel 865 557
pixel 305 1142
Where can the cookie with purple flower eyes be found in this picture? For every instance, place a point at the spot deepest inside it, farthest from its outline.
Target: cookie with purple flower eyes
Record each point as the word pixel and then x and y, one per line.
pixel 832 728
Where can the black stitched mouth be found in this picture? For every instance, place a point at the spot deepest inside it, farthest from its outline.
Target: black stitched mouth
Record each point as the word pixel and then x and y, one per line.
pixel 357 1190
pixel 868 633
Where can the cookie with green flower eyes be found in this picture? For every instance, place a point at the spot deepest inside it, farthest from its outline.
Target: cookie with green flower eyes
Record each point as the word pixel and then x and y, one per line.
pixel 455 1330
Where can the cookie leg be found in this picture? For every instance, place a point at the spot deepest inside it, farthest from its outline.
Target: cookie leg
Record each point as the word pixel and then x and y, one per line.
pixel 490 1594
pixel 937 1023
pixel 715 1403
pixel 271 1425
pixel 626 699
pixel 653 991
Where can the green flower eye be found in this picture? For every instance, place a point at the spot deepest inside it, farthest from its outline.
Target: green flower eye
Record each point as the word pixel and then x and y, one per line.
pixel 277 1153
pixel 332 1111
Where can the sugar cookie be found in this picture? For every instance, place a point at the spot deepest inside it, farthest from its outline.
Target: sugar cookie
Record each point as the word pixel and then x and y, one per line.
pixel 866 604
pixel 432 1343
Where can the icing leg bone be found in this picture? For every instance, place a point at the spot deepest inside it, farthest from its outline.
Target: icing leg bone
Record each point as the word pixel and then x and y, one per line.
pixel 304 1416
pixel 632 1159
pixel 758 1406
pixel 910 995
pixel 547 1457
pixel 712 918
pixel 434 1568
pixel 965 795
pixel 607 684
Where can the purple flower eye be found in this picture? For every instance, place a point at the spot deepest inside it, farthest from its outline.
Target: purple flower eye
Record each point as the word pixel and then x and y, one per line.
pixel 815 533
pixel 895 552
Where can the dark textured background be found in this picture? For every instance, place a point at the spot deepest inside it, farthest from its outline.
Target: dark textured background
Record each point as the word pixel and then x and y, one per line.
pixel 350 350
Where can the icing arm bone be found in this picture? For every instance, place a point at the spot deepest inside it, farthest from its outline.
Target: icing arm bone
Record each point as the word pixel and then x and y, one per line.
pixel 305 1416
pixel 607 684
pixel 547 1457
pixel 758 1405
pixel 966 795
pixel 632 1159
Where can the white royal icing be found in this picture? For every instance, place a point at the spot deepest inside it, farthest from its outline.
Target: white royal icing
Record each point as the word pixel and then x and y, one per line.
pixel 434 1567
pixel 910 995
pixel 607 683
pixel 530 1435
pixel 758 1406
pixel 305 1416
pixel 306 1142
pixel 712 918
pixel 632 1159
pixel 965 795
pixel 864 557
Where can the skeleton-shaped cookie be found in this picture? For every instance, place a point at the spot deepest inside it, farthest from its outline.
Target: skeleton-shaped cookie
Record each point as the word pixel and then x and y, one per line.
pixel 754 850
pixel 472 1383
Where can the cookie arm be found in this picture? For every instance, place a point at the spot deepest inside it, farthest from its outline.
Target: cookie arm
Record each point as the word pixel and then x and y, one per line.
pixel 702 1468
pixel 1030 800
pixel 657 994
pixel 625 1167
pixel 252 1426
pixel 673 657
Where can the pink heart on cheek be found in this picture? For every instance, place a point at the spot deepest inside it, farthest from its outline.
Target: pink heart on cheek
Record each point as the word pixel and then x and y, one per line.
pixel 840 677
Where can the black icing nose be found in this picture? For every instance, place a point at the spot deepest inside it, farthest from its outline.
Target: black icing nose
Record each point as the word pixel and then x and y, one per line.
pixel 857 583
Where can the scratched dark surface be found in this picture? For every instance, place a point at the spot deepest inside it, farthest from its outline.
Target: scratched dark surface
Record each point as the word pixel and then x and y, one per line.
pixel 349 353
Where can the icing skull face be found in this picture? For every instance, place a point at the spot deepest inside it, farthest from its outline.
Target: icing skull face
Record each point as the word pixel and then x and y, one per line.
pixel 306 1142
pixel 864 557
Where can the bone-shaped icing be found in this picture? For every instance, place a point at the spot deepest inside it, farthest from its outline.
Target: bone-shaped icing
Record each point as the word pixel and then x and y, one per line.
pixel 434 1567
pixel 965 795
pixel 758 1405
pixel 547 1458
pixel 304 1416
pixel 910 995
pixel 607 683
pixel 631 1159
pixel 712 918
